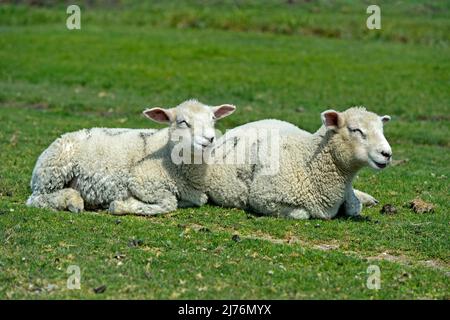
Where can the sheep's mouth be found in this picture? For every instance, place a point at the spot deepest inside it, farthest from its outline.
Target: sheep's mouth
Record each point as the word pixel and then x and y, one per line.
pixel 379 164
pixel 201 146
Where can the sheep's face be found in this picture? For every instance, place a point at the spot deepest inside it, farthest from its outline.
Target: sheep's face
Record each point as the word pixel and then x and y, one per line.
pixel 192 123
pixel 361 136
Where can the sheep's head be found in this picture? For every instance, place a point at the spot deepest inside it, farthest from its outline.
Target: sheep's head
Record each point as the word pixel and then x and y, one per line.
pixel 360 137
pixel 191 122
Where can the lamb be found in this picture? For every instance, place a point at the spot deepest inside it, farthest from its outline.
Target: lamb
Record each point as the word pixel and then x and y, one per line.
pixel 285 128
pixel 127 171
pixel 315 170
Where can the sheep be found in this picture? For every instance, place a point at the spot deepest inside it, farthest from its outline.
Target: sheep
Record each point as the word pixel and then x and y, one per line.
pixel 127 171
pixel 285 128
pixel 315 170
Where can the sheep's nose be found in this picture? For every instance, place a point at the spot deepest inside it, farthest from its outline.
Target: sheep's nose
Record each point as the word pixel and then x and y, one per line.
pixel 210 139
pixel 386 154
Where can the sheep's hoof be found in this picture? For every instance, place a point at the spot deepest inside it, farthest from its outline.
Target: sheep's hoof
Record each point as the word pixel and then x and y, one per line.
pixel 198 201
pixel 75 208
pixel 366 199
pixel 370 201
pixel 116 208
pixel 74 201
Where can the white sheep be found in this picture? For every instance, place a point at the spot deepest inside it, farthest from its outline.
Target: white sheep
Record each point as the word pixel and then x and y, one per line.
pixel 285 128
pixel 128 171
pixel 315 170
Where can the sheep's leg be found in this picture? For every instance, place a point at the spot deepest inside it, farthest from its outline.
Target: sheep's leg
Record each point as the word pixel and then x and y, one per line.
pixel 365 198
pixel 269 207
pixel 295 213
pixel 64 199
pixel 193 199
pixel 186 204
pixel 284 212
pixel 138 207
pixel 352 205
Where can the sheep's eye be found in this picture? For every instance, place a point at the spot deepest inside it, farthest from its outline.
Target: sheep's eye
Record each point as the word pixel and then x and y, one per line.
pixel 183 123
pixel 357 130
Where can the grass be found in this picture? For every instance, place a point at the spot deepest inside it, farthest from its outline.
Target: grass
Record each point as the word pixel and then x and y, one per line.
pixel 53 80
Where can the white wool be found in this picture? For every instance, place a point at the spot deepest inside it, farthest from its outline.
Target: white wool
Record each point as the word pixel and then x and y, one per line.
pixel 286 128
pixel 124 170
pixel 315 173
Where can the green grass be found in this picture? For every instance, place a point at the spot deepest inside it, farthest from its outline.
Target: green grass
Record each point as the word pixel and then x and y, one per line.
pixel 53 80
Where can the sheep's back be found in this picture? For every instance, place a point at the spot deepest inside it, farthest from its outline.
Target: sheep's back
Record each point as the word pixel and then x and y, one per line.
pixel 103 160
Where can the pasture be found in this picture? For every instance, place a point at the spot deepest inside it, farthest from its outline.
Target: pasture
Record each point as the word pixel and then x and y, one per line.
pixel 272 60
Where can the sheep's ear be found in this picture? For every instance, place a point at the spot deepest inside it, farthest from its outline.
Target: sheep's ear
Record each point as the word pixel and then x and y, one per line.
pixel 160 115
pixel 385 119
pixel 223 110
pixel 332 119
